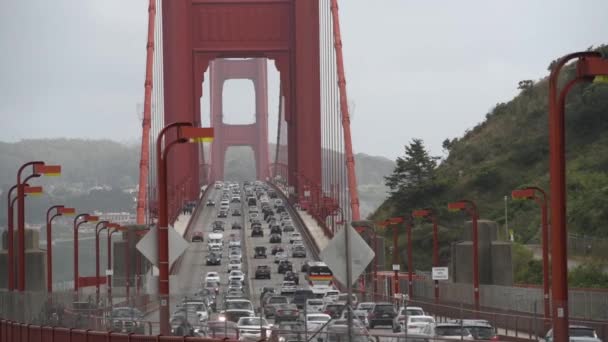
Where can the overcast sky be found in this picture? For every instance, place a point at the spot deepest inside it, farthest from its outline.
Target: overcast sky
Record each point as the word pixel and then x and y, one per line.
pixel 415 68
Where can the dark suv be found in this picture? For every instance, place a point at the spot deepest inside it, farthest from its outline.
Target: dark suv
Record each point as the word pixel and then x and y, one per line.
pixel 262 271
pixel 382 314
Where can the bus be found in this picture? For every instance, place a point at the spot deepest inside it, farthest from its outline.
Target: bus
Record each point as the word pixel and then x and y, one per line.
pixel 319 277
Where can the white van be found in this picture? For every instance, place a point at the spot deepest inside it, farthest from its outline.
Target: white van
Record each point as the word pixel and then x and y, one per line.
pixel 215 239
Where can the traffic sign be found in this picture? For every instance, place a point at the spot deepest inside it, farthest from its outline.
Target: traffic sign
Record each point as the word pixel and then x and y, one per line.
pixel 396 267
pixel 440 273
pixel 334 255
pixel 148 246
pixel 109 272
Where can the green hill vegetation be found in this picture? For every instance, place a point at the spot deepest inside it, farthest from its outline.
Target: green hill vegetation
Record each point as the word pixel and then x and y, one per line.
pixel 508 150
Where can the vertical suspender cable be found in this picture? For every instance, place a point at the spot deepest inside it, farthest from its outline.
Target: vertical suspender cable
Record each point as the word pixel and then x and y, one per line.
pixel 350 160
pixel 277 147
pixel 145 138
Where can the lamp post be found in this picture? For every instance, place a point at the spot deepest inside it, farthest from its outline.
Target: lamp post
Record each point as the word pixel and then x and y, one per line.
pixel 115 229
pixel 590 65
pixel 99 227
pixel 185 133
pixel 38 168
pixel 60 210
pixel 471 209
pixel 527 194
pixel 86 218
pixel 430 214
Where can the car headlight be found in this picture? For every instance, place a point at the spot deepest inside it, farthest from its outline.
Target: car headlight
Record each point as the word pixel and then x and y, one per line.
pixel 222 318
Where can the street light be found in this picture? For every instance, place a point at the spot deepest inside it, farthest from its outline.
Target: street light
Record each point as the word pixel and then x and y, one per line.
pixel 471 209
pixel 38 168
pixel 86 218
pixel 100 226
pixel 429 213
pixel 531 193
pixel 591 65
pixel 10 233
pixel 112 228
pixel 185 133
pixel 60 210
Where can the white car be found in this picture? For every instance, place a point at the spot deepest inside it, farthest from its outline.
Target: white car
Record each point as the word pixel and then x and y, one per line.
pixel 415 324
pixel 237 275
pixel 295 236
pixel 447 331
pixel 315 321
pixel 288 287
pixel 234 243
pixel 250 328
pixel 234 265
pixel 202 311
pixel 331 296
pixel 343 298
pixel 314 305
pixel 280 256
pixel 212 276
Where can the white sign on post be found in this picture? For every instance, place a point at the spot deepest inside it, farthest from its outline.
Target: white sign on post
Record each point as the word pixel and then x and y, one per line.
pixel 109 272
pixel 396 267
pixel 148 246
pixel 334 255
pixel 440 273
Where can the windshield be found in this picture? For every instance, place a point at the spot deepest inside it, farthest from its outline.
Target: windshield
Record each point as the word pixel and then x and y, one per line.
pixel 211 284
pixel 124 313
pixel 421 320
pixel 582 332
pixel 277 300
pixel 383 308
pixel 451 331
pixel 318 319
pixel 482 333
pixel 238 306
pixel 414 312
pixel 252 321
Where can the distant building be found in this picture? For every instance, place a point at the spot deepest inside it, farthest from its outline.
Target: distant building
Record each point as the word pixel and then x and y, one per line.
pixel 123 218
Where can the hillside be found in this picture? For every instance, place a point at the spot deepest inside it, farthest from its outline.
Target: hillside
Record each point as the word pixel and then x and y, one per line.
pixel 509 149
pixel 90 165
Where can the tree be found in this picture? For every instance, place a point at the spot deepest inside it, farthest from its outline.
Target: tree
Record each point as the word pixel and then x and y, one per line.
pixel 413 179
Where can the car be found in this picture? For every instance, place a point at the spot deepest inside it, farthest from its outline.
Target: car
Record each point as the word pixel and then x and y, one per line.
pixel 235 199
pixel 284 266
pixel 447 331
pixel 214 259
pixel 236 225
pixel 212 286
pixel 222 214
pixel 212 276
pixel 336 331
pixel 298 252
pixel 482 330
pixel 289 331
pixel 236 212
pixel 259 252
pixel 235 284
pixel 215 249
pixel 235 253
pixel 250 328
pixel 218 225
pixel 237 275
pixel 314 321
pixel 286 312
pixel 233 315
pixel 280 256
pixel 289 229
pixel 210 203
pixel 577 333
pixel 234 243
pixel 330 296
pixel 180 324
pixel 200 306
pixel 292 276
pixel 334 309
pixel 271 303
pixel 412 311
pixel 276 230
pixel 253 215
pixel 127 319
pixel 276 249
pixel 234 293
pixel 221 330
pixel 382 314
pixel 275 238
pixel 367 306
pixel 234 265
pixel 257 232
pixel 294 237
pixel 314 305
pixel 360 315
pixel 197 237
pixel 343 298
pixel 288 287
pixel 262 272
